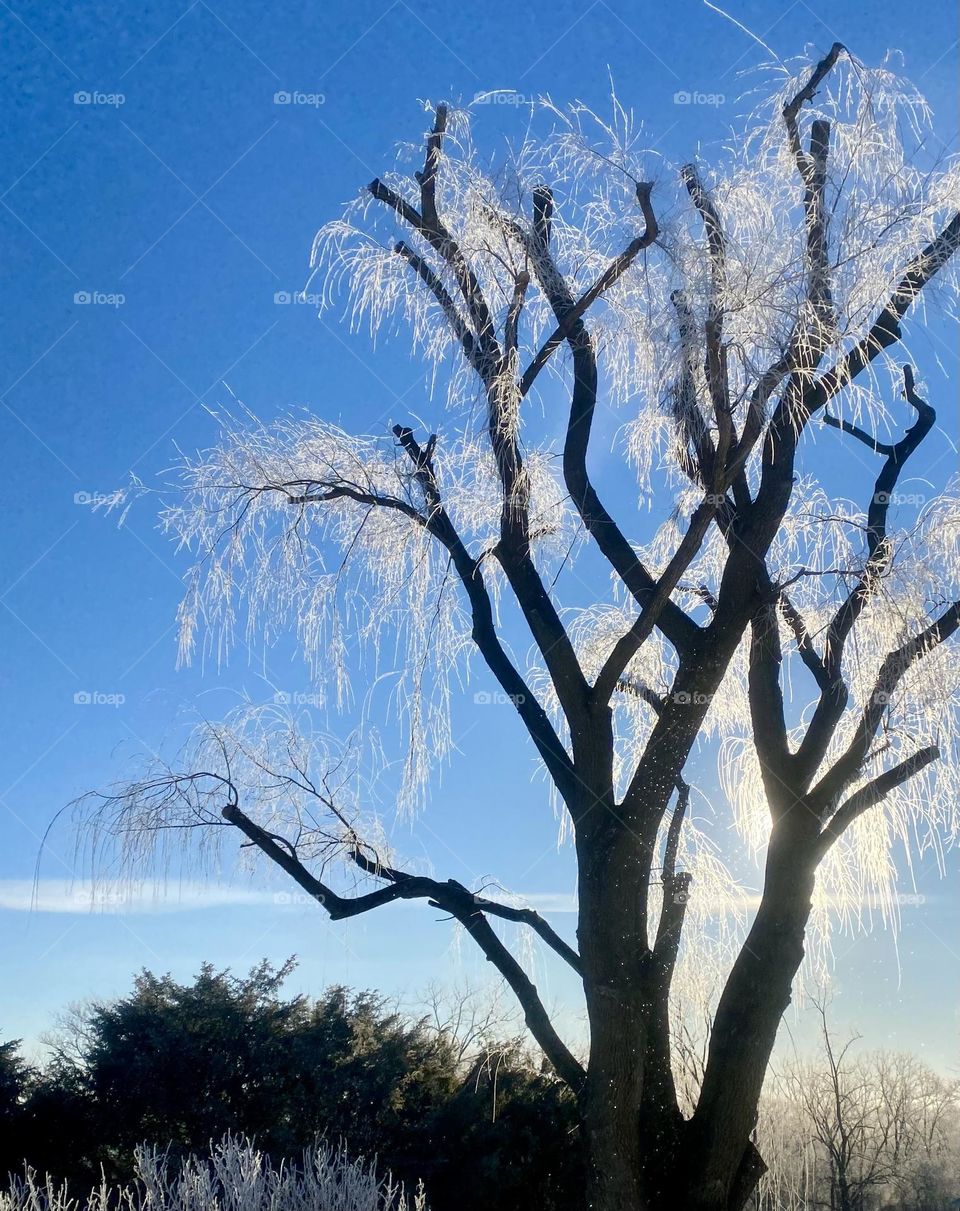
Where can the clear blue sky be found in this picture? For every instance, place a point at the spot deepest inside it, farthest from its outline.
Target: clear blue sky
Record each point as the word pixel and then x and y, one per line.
pixel 196 199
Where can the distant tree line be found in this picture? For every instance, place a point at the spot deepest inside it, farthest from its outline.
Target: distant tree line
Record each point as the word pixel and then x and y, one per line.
pixel 451 1097
pixel 860 1131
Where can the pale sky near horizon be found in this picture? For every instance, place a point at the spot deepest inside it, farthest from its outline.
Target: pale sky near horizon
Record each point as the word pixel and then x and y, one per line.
pixel 148 166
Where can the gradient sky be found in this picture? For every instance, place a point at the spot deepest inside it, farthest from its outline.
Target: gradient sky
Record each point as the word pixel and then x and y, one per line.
pixel 196 198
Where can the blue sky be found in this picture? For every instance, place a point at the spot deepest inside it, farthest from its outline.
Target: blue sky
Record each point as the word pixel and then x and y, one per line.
pixel 145 156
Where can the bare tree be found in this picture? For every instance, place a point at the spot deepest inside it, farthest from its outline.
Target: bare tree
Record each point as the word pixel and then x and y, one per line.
pixel 472 1018
pixel 744 313
pixel 865 1131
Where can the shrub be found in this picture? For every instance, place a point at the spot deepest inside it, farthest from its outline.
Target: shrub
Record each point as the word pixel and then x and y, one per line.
pixel 236 1176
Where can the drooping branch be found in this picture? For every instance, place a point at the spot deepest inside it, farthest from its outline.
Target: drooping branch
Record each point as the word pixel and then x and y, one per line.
pixel 453 898
pixel 485 634
pixel 437 522
pixel 521 916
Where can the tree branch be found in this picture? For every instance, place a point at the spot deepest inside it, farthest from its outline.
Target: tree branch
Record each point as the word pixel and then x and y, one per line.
pixel 496 371
pixel 629 644
pixel 674 622
pixel 428 224
pixel 485 634
pixel 861 435
pixel 523 916
pixel 766 697
pixel 453 898
pixel 874 792
pixel 613 272
pixel 698 456
pixel 886 328
pixel 716 358
pixel 833 698
pixel 458 324
pixel 894 667
pixel 438 523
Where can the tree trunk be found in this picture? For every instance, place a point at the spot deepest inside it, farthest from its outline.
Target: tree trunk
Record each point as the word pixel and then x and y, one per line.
pixel 755 997
pixel 641 1154
pixel 613 873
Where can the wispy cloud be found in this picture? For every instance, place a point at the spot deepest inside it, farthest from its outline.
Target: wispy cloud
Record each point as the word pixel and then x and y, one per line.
pixel 156 896
pixel 133 896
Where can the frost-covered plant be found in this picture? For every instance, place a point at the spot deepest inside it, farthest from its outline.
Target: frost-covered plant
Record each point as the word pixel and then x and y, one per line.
pixel 236 1176
pixel 747 323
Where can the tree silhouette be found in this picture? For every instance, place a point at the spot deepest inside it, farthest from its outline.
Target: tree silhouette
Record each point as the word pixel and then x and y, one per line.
pixel 744 313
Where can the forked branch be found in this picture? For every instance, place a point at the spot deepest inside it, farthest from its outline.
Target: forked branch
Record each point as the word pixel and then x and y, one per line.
pixel 451 897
